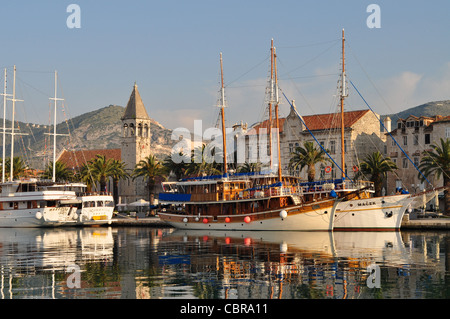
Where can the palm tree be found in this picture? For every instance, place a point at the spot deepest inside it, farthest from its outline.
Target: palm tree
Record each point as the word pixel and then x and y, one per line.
pixel 437 162
pixel 250 167
pixel 376 166
pixel 118 172
pixel 201 163
pixel 308 156
pixel 171 166
pixel 19 167
pixel 62 173
pixel 84 175
pixel 149 168
pixel 101 168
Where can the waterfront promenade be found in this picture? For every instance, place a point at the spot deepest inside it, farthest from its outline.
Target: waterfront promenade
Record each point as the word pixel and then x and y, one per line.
pixel 438 223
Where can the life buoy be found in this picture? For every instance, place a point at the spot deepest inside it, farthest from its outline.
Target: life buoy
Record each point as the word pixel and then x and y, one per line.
pixel 355 168
pixel 328 169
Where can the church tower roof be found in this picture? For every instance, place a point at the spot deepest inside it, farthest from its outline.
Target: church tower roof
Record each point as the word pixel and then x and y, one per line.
pixel 135 108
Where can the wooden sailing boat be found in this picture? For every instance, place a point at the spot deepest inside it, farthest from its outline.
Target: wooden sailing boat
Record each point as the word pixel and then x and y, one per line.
pixel 244 202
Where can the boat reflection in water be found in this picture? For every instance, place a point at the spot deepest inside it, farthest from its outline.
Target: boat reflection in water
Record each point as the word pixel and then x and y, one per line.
pixel 37 262
pixel 284 264
pixel 153 263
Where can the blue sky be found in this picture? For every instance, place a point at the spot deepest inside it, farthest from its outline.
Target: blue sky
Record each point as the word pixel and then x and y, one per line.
pixel 171 49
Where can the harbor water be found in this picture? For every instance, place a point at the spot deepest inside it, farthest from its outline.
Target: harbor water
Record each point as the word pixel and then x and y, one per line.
pixel 164 263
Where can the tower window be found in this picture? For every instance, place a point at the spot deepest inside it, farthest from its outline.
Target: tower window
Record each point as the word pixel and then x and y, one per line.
pixel 125 130
pixel 131 129
pixel 140 130
pixel 145 130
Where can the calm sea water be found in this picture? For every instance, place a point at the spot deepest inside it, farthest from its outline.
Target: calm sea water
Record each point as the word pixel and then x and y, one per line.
pixel 149 263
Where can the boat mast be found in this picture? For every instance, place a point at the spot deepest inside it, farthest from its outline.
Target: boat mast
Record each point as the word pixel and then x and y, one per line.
pixel 4 129
pixel 343 96
pixel 276 116
pixel 270 103
pixel 14 100
pixel 222 113
pixel 55 99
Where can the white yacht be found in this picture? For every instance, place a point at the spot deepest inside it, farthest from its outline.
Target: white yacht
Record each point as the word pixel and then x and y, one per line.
pixel 26 203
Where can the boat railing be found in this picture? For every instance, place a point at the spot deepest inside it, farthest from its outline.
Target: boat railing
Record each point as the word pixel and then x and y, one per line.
pixel 337 187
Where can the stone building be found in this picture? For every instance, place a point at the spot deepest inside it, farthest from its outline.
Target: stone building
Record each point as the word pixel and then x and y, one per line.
pixel 135 146
pixel 363 135
pixel 414 135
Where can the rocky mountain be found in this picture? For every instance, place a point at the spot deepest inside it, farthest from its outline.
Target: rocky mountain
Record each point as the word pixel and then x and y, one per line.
pixel 93 130
pixel 427 109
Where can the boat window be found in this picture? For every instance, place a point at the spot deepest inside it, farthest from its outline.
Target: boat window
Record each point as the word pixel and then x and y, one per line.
pixel 99 203
pixel 109 203
pixel 89 204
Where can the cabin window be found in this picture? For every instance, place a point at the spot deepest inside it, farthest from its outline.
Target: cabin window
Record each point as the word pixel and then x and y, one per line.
pixel 109 203
pixel 89 204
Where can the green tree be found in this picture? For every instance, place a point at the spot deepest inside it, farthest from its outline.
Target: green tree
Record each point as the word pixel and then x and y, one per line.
pixel 308 156
pixel 437 162
pixel 202 163
pixel 118 172
pixel 101 168
pixel 176 167
pixel 62 173
pixel 19 167
pixel 84 175
pixel 149 168
pixel 250 167
pixel 376 166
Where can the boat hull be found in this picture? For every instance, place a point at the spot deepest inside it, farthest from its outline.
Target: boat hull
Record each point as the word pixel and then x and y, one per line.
pixel 47 217
pixel 378 213
pixel 312 217
pixel 96 215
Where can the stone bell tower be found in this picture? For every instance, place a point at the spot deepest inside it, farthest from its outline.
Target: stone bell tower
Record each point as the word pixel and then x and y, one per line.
pixel 135 146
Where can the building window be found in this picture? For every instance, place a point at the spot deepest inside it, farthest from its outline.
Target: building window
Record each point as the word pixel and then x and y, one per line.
pixel 447 132
pixel 416 161
pixel 416 139
pixel 291 148
pixel 332 147
pixel 405 162
pixel 393 142
pixel 405 140
pixel 427 139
